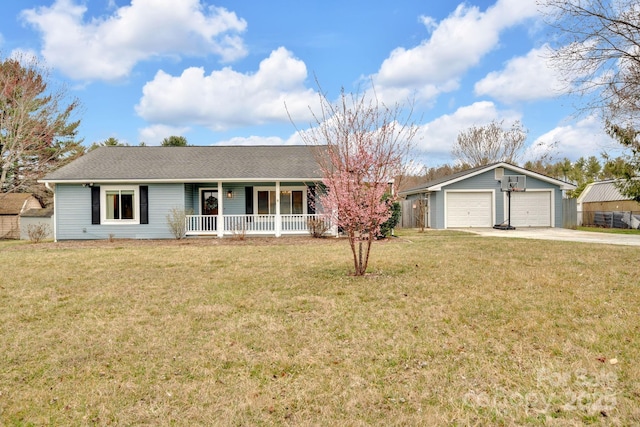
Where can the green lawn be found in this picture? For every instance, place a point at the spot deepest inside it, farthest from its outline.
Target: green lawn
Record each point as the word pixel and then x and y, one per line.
pixel 610 230
pixel 448 328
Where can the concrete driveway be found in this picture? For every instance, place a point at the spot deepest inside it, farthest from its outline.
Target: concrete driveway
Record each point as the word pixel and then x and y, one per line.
pixel 562 234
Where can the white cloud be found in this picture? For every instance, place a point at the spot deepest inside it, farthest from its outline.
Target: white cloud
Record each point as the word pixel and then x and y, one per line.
pixel 154 134
pixel 255 140
pixel 226 98
pixel 456 44
pixel 108 48
pixel 526 78
pixel 436 138
pixel 583 138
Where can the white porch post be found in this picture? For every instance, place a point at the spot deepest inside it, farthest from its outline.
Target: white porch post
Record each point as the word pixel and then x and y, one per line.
pixel 220 218
pixel 278 217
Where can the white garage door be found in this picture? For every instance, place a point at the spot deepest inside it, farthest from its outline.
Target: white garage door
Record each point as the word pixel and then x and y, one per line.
pixel 469 209
pixel 531 209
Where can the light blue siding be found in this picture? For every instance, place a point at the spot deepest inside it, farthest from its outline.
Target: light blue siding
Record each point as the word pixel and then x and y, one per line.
pixel 237 204
pixel 189 190
pixel 486 182
pixel 73 209
pixel 232 206
pixel 73 214
pixel 433 211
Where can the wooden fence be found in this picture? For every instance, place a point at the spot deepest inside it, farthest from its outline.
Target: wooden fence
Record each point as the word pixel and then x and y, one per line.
pixel 412 212
pixel 570 213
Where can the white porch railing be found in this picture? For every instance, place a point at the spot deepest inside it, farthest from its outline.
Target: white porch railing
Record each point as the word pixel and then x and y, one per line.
pixel 202 224
pixel 251 224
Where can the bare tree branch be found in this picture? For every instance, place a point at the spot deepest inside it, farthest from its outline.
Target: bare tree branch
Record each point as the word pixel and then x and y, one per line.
pixel 36 131
pixel 598 53
pixel 491 143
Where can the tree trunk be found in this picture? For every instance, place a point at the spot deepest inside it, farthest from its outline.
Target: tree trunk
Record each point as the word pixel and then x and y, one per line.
pixel 3 177
pixel 360 254
pixel 352 244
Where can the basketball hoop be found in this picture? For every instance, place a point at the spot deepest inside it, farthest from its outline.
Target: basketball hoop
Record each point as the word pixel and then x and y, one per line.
pixel 511 184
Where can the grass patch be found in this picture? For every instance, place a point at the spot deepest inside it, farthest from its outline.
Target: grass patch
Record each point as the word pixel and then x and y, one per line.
pixel 448 328
pixel 609 230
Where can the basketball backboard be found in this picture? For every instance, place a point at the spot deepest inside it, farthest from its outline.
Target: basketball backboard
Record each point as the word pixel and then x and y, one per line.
pixel 513 183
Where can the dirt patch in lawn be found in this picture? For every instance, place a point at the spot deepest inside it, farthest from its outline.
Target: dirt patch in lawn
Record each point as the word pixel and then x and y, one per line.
pixel 191 242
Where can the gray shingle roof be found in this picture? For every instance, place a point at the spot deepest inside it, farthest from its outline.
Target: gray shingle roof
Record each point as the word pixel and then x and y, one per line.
pixel 441 180
pixel 284 162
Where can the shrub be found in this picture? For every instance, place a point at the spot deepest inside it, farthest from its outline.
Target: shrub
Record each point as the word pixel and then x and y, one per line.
pixel 38 232
pixel 177 221
pixel 239 232
pixel 387 227
pixel 317 227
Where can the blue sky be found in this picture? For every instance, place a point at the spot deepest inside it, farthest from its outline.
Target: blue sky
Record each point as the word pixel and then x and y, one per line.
pixel 220 72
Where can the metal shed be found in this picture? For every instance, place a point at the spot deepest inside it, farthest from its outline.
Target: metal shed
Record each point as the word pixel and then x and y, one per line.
pixel 602 204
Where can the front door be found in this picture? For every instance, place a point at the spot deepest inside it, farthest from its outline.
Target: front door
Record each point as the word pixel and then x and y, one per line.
pixel 209 204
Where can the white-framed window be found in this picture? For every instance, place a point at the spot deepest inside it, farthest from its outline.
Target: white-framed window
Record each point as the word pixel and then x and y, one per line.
pixel 293 200
pixel 120 204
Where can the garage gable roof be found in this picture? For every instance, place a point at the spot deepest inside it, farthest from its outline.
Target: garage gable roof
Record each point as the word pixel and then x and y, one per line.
pixel 438 184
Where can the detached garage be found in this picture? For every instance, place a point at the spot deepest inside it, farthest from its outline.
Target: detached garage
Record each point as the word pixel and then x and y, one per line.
pixel 475 198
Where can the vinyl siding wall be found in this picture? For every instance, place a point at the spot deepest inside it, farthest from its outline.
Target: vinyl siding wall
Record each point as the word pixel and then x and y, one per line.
pixel 73 209
pixel 487 182
pixel 26 221
pixel 189 198
pixel 73 214
pixel 237 204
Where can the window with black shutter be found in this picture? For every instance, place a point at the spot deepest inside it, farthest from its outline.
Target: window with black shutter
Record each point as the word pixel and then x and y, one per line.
pixel 95 205
pixel 144 204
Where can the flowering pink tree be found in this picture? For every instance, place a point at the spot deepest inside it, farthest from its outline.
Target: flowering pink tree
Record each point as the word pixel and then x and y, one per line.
pixel 362 146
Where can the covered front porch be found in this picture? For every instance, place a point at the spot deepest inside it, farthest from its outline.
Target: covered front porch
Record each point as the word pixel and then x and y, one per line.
pixel 273 208
pixel 266 225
